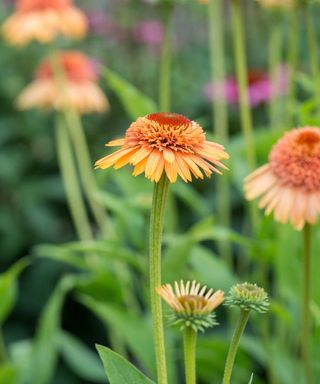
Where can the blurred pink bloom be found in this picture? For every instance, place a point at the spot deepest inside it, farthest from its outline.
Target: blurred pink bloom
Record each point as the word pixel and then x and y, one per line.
pixel 148 32
pixel 103 25
pixel 261 89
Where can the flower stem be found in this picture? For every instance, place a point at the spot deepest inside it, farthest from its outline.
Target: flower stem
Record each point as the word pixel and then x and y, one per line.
pixel 165 69
pixel 275 54
pixel 242 79
pixel 3 352
pixel 190 340
pixel 242 322
pixel 293 54
pixel 313 52
pixel 72 188
pixel 305 342
pixel 156 228
pixel 219 111
pixel 86 169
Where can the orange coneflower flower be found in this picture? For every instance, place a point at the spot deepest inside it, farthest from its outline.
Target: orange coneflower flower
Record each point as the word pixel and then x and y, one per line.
pixel 78 90
pixel 290 183
pixel 166 142
pixel 43 20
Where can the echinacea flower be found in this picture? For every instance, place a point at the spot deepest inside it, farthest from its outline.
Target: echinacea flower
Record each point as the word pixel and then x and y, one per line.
pixel 43 21
pixel 261 89
pixel 192 304
pixel 289 184
pixel 248 297
pixel 149 32
pixel 166 142
pixel 277 4
pixel 79 89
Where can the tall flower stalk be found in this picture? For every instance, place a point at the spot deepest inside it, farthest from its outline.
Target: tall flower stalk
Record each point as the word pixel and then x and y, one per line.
pixel 240 327
pixel 165 68
pixel 293 54
pixel 248 297
pixel 241 70
pixel 275 59
pixel 190 342
pixel 313 52
pixel 70 181
pixel 306 325
pixel 81 149
pixel 219 109
pixel 156 228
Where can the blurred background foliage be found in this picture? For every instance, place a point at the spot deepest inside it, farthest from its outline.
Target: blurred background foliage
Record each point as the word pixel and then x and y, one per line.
pixel 58 296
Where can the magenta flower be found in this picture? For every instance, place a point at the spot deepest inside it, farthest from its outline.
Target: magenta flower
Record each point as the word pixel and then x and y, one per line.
pixel 148 32
pixel 261 89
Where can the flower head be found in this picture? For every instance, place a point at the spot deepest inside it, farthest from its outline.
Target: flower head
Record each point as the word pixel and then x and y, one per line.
pixel 192 305
pixel 43 21
pixel 289 184
pixel 261 88
pixel 277 4
pixel 248 297
pixel 79 89
pixel 149 32
pixel 166 142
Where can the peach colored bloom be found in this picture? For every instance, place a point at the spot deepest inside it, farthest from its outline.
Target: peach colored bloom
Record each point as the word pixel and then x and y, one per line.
pixel 79 88
pixel 190 299
pixel 166 142
pixel 277 4
pixel 43 20
pixel 289 184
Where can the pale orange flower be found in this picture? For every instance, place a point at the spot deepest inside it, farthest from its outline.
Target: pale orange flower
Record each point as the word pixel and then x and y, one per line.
pixel 166 142
pixel 277 4
pixel 78 90
pixel 43 20
pixel 190 298
pixel 289 184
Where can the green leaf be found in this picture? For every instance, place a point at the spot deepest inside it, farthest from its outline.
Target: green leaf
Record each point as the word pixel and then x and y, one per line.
pixel 134 102
pixel 82 360
pixel 119 370
pixel 9 289
pixel 211 270
pixel 8 374
pixel 45 348
pixel 135 331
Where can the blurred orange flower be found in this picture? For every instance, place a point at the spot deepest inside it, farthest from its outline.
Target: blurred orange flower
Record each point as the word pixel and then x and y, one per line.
pixel 277 4
pixel 166 142
pixel 290 183
pixel 78 89
pixel 43 20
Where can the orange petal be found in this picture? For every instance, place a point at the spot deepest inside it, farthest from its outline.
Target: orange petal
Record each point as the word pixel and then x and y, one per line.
pixel 152 163
pixel 115 143
pixel 168 155
pixel 171 171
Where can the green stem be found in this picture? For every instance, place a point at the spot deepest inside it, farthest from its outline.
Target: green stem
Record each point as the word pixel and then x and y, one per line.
pixel 190 341
pixel 242 79
pixel 219 111
pixel 305 342
pixel 242 322
pixel 313 52
pixel 72 188
pixel 3 352
pixel 293 54
pixel 86 169
pixel 165 69
pixel 275 55
pixel 156 228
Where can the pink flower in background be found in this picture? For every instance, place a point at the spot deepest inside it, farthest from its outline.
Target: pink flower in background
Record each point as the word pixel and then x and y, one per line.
pixel 261 89
pixel 103 25
pixel 148 32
